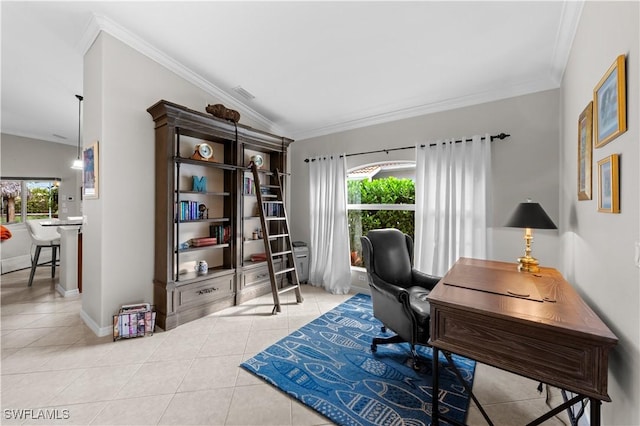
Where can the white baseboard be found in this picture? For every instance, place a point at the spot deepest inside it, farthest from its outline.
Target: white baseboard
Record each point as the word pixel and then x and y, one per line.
pixel 15 263
pixel 67 293
pixel 99 331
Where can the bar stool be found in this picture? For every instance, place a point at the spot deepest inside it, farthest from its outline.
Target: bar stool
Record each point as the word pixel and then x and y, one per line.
pixel 43 237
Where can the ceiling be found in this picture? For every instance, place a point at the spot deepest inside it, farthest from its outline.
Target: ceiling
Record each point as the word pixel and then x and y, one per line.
pixel 314 67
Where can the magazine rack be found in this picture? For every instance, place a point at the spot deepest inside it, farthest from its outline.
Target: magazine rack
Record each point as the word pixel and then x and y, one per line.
pixel 137 320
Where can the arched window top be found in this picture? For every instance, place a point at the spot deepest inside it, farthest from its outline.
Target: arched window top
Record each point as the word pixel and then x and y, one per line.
pixel 383 169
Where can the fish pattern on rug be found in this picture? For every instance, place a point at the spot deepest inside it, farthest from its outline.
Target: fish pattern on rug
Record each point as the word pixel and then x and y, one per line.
pixel 328 365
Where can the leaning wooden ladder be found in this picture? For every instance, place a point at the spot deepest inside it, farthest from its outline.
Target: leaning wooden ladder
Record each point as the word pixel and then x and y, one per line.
pixel 275 228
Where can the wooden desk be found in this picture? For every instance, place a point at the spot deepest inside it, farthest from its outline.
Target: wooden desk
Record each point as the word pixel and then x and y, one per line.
pixel 559 340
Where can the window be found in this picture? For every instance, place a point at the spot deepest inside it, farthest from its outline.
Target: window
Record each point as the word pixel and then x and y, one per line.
pixel 379 196
pixel 24 199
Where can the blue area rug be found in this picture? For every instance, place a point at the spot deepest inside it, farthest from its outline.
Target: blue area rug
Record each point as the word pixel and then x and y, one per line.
pixel 328 365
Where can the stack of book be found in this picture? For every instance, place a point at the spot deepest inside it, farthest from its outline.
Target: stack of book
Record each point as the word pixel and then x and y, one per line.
pixel 189 210
pixel 203 241
pixel 272 210
pixel 135 320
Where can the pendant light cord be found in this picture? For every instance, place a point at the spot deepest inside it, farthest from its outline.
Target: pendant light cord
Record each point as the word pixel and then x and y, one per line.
pixel 80 98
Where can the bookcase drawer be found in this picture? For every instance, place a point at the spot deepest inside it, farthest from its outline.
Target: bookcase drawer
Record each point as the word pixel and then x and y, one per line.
pixel 256 276
pixel 203 292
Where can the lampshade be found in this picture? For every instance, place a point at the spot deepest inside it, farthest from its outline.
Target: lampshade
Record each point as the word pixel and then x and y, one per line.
pixel 77 164
pixel 530 215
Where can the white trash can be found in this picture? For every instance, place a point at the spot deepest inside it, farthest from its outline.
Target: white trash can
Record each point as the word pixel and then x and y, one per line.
pixel 301 255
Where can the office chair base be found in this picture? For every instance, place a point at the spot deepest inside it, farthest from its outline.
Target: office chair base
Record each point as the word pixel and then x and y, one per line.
pixel 385 340
pixel 396 339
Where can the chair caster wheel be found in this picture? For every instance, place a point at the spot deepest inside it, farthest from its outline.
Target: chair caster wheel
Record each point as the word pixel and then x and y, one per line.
pixel 416 365
pixel 383 329
pixel 374 348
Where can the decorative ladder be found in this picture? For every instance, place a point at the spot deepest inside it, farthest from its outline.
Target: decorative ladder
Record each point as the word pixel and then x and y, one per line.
pixel 273 217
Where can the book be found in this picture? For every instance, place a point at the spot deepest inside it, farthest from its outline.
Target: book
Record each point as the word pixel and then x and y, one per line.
pixel 116 326
pixel 124 322
pixel 203 241
pixel 258 257
pixel 140 323
pixel 147 322
pixel 133 325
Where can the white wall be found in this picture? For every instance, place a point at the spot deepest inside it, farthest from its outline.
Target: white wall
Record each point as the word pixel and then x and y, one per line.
pixel 119 85
pixel 598 248
pixel 524 165
pixel 25 157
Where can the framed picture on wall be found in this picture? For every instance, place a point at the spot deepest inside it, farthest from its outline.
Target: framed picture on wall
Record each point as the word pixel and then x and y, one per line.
pixel 610 104
pixel 609 185
pixel 91 175
pixel 585 150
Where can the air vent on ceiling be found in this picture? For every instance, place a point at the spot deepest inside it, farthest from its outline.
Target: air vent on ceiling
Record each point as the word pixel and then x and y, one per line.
pixel 242 92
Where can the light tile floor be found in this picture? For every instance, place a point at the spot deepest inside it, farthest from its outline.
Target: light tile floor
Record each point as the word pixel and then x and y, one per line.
pixel 189 375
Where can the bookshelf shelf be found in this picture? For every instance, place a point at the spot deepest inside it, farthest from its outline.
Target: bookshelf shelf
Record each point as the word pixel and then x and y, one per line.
pixel 210 220
pixel 219 194
pixel 208 247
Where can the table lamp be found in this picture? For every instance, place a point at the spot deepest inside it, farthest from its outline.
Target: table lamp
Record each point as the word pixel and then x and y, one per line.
pixel 529 215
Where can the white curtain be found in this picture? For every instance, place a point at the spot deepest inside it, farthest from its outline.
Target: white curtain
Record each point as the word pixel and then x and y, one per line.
pixel 329 247
pixel 452 202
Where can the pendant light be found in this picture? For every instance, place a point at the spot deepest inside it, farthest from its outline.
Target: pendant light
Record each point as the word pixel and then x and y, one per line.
pixel 78 164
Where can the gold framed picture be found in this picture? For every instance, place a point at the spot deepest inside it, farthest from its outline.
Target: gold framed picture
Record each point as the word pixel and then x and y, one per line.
pixel 585 150
pixel 610 104
pixel 609 185
pixel 90 173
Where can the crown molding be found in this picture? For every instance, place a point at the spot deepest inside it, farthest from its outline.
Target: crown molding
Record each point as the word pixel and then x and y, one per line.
pixel 564 38
pixel 569 20
pixel 100 23
pixel 399 112
pixel 571 12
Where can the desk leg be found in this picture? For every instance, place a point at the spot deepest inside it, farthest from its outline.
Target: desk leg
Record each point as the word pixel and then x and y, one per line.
pixel 435 388
pixel 594 405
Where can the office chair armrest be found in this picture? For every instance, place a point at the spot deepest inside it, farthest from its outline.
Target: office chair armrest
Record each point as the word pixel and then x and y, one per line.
pixel 389 290
pixel 424 280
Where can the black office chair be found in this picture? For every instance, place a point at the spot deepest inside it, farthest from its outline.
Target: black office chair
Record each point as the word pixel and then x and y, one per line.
pixel 398 291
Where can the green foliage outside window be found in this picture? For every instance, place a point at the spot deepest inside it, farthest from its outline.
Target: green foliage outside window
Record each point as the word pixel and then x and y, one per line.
pixel 389 190
pixel 41 203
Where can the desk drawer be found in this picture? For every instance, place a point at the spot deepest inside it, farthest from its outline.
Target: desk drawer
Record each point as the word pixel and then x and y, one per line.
pixel 530 350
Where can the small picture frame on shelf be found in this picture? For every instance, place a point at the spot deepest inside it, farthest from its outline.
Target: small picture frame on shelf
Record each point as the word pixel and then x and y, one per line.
pixel 609 104
pixel 585 150
pixel 609 185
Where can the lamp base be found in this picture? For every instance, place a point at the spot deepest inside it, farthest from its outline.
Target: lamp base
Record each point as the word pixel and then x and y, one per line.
pixel 528 264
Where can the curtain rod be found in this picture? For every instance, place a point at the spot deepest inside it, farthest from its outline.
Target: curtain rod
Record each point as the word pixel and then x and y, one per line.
pixel 498 136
